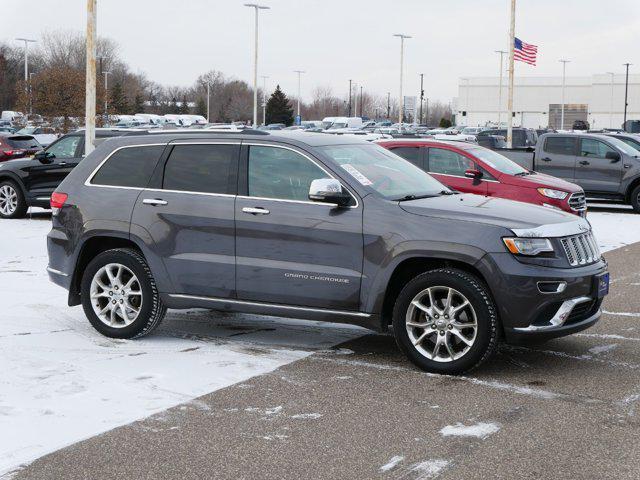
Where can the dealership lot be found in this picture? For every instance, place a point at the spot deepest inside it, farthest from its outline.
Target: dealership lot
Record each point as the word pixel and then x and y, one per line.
pixel 279 388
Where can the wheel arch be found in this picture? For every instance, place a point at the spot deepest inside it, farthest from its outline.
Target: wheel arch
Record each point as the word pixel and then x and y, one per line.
pixel 635 183
pixel 15 178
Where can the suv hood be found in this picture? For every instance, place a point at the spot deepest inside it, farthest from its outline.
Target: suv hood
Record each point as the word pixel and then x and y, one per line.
pixel 524 219
pixel 540 180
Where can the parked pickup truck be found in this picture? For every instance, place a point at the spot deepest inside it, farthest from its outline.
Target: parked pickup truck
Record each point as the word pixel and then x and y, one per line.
pixel 606 167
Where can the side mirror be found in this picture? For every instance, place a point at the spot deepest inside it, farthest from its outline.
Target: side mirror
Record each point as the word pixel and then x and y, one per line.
pixel 328 190
pixel 613 156
pixel 472 173
pixel 44 157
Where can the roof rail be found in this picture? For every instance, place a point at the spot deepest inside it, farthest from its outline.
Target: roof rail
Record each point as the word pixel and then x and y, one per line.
pixel 247 131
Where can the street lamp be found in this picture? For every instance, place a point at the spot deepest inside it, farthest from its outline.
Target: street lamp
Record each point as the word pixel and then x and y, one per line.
pixel 564 68
pixel 264 99
pixel 611 104
pixel 31 74
pixel 402 37
pixel 299 72
pixel 626 91
pixel 256 7
pixel 106 97
pixel 26 41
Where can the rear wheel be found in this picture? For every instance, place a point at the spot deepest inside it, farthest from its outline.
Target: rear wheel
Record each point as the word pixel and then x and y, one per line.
pixel 635 199
pixel 445 322
pixel 119 294
pixel 12 201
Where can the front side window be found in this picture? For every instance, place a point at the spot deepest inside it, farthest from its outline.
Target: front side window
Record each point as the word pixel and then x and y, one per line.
pixel 129 167
pixel 448 163
pixel 281 173
pixel 560 145
pixel 66 147
pixel 590 147
pixel 200 168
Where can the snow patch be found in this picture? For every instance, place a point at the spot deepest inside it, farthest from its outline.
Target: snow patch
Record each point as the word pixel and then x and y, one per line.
pixel 479 430
pixel 392 463
pixel 303 416
pixel 602 348
pixel 429 468
pixel 622 314
pixel 614 230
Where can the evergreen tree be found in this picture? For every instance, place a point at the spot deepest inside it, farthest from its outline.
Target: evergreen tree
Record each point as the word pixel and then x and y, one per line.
pixel 444 123
pixel 173 106
pixel 201 107
pixel 184 105
pixel 138 104
pixel 279 110
pixel 118 103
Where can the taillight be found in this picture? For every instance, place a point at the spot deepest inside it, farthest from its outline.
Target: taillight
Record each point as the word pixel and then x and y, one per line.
pixel 57 201
pixel 11 153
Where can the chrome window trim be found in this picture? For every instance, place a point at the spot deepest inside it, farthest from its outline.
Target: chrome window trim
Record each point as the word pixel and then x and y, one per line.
pixel 321 167
pixel 554 230
pixel 272 305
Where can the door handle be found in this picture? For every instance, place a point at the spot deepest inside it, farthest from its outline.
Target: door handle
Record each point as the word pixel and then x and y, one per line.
pixel 546 159
pixel 584 162
pixel 256 210
pixel 62 164
pixel 154 201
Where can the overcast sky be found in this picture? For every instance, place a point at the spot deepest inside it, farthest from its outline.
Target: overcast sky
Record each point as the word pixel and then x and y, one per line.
pixel 173 41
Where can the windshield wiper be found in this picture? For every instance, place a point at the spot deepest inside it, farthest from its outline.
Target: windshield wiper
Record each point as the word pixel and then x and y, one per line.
pixel 522 174
pixel 406 198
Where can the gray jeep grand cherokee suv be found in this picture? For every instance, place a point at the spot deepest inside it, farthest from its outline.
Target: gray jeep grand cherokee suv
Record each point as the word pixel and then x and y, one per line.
pixel 320 227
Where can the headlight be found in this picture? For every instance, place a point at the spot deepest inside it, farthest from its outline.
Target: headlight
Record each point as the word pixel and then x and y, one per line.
pixel 549 192
pixel 528 246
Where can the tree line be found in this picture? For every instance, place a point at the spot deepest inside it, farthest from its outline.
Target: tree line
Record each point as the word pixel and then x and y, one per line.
pixel 56 88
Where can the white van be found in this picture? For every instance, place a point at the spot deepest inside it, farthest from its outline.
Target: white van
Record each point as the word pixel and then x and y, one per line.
pixel 11 116
pixel 331 123
pixel 151 118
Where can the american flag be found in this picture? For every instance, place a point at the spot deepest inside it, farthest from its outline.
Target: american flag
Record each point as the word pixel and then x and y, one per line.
pixel 525 52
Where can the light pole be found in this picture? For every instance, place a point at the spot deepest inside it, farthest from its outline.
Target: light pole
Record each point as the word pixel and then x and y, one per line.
pixel 90 82
pixel 208 101
pixel 564 69
pixel 350 97
pixel 626 90
pixel 501 52
pixel 26 41
pixel 466 102
pixel 31 74
pixel 355 100
pixel 388 105
pixel 361 102
pixel 264 99
pixel 256 7
pixel 106 96
pixel 299 72
pixel 402 37
pixel 611 104
pixel 421 95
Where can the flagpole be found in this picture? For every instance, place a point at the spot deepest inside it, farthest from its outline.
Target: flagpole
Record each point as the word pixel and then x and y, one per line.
pixel 512 39
pixel 501 52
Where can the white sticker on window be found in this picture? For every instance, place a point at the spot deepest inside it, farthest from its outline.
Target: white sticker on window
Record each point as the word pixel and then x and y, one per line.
pixel 355 173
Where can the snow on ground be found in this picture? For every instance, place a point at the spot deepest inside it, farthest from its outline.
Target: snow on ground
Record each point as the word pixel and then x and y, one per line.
pixel 479 430
pixel 60 381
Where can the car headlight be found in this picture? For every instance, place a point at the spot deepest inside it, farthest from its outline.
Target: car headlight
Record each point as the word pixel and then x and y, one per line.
pixel 528 246
pixel 551 193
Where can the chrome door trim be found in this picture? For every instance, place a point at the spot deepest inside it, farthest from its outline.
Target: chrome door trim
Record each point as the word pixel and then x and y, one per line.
pixel 154 201
pixel 255 210
pixel 270 305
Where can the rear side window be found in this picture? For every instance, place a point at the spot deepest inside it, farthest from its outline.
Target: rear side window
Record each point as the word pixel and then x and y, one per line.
pixel 412 154
pixel 560 145
pixel 129 167
pixel 200 168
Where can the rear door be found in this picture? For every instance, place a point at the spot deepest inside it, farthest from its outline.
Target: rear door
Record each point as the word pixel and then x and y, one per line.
pixel 449 167
pixel 594 171
pixel 558 156
pixel 290 250
pixel 189 217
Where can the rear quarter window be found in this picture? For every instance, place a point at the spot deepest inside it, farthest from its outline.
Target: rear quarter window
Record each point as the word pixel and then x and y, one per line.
pixel 560 145
pixel 129 167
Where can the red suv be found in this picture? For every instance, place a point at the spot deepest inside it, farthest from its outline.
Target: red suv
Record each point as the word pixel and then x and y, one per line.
pixel 472 169
pixel 17 146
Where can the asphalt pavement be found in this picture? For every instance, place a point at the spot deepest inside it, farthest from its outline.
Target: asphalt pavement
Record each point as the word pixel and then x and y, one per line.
pixel 569 408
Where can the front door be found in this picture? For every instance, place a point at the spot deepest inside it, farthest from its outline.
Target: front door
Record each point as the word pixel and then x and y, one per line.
pixel 290 250
pixel 190 219
pixel 594 171
pixel 449 167
pixel 558 157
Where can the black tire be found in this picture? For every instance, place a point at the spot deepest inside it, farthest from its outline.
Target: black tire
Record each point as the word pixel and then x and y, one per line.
pixel 635 199
pixel 21 208
pixel 152 309
pixel 476 292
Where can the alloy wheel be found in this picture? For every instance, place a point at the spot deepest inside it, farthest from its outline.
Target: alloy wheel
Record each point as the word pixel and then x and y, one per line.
pixel 8 200
pixel 441 324
pixel 116 295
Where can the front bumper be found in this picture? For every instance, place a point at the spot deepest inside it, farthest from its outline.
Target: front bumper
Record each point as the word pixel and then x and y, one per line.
pixel 528 314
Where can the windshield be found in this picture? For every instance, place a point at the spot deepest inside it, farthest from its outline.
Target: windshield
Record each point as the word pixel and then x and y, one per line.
pixel 27 131
pixel 633 143
pixel 624 147
pixel 337 125
pixel 383 171
pixel 497 161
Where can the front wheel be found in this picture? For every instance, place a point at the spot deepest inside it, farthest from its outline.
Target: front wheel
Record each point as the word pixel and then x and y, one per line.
pixel 119 294
pixel 445 321
pixel 12 201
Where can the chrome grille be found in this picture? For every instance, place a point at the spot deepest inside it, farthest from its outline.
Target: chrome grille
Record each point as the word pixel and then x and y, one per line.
pixel 578 202
pixel 581 249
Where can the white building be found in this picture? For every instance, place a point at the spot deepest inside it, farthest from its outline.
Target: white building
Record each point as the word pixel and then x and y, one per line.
pixel 598 99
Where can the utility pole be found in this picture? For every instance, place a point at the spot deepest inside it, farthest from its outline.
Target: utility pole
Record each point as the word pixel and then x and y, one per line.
pixel 626 90
pixel 350 97
pixel 388 105
pixel 501 52
pixel 256 7
pixel 355 100
pixel 402 37
pixel 427 112
pixel 421 94
pixel 26 41
pixel 264 99
pixel 208 101
pixel 106 98
pixel 361 102
pixel 31 74
pixel 90 81
pixel 564 68
pixel 299 72
pixel 512 40
pixel 611 102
